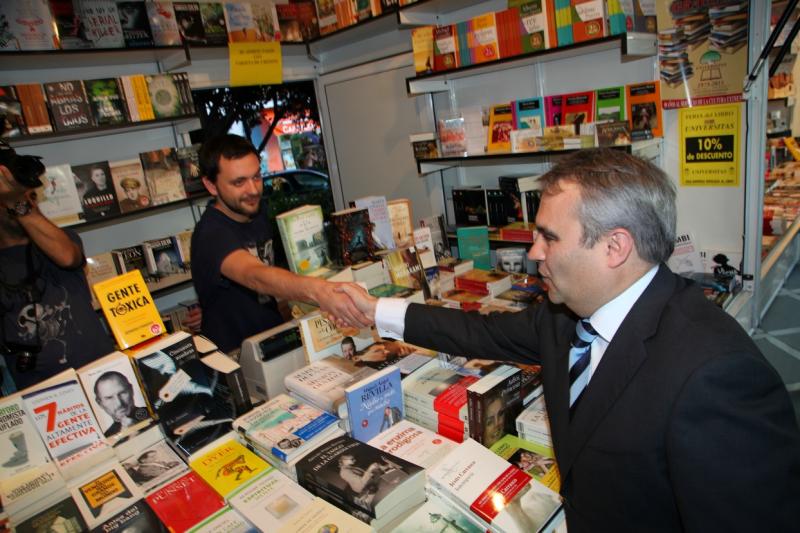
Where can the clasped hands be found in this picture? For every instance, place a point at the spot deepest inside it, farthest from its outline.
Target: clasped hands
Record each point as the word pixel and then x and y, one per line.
pixel 347 305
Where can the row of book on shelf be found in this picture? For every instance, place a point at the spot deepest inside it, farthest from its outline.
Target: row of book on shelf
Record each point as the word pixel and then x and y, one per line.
pixel 69 25
pixel 612 116
pixel 359 437
pixel 526 26
pixel 71 194
pixel 63 106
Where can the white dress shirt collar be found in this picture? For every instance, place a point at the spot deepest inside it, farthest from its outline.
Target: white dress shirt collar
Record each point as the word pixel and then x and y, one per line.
pixel 607 320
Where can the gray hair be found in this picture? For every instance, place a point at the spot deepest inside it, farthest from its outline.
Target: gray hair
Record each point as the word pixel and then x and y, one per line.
pixel 619 190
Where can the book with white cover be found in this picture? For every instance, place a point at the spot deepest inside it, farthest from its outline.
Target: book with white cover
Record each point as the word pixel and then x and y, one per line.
pixel 321 516
pixel 225 520
pixel 65 422
pixel 114 394
pixel 322 338
pixel 323 382
pixel 58 198
pixel 471 476
pixel 378 210
pixel 437 514
pixel 153 466
pixel 271 498
pixel 103 492
pixel 413 443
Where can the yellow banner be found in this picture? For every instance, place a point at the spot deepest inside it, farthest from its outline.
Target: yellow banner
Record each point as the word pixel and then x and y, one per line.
pixel 255 63
pixel 710 145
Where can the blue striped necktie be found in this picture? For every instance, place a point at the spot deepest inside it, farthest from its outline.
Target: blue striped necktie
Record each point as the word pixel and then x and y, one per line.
pixel 580 355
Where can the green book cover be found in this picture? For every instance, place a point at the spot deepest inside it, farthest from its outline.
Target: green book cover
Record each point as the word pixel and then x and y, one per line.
pixel 473 243
pixel 610 104
pixel 303 235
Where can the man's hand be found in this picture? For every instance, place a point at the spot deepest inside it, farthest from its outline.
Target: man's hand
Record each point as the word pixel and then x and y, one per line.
pixel 334 300
pixel 11 192
pixel 361 299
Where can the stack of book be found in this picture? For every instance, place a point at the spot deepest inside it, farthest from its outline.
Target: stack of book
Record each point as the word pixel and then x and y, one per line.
pixel 533 424
pixel 414 443
pixel 484 282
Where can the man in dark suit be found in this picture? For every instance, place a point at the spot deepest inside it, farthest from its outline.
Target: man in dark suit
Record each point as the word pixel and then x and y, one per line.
pixel 664 414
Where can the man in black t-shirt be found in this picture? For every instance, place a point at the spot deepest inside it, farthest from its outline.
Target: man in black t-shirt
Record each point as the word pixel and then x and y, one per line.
pixel 47 323
pixel 232 254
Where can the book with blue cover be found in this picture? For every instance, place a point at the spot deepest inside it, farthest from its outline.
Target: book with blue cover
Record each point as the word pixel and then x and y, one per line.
pixel 473 243
pixel 529 114
pixel 375 403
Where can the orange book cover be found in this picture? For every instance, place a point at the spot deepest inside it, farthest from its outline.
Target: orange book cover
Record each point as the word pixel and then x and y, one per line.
pixel 644 110
pixel 482 38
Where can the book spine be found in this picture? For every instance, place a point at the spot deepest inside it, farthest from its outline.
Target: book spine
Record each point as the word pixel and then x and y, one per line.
pixel 142 97
pixel 130 98
pixel 237 391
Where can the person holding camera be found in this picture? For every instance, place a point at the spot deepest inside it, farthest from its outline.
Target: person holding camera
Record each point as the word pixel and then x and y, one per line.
pixel 47 321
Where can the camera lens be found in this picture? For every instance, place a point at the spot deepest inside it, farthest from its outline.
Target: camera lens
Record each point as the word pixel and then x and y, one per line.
pixel 26 361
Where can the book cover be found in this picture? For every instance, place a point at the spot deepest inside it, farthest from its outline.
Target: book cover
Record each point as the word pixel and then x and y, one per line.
pixel 183 240
pixel 321 516
pixel 61 516
pixel 190 23
pixel 352 236
pixel 240 22
pixel 552 110
pixel 107 101
pixel 163 24
pixel 71 32
pixel 578 109
pixel 153 466
pixel 34 108
pixel 214 27
pixel 306 14
pixel 588 20
pixel 114 395
pixel 164 95
pixel 184 502
pixel 62 416
pixel 100 20
pixel 445 48
pixel 436 515
pixel 322 338
pixel 135 24
pixel 354 475
pixel 405 269
pixel 129 185
pixel 326 12
pixel 137 98
pixel 615 133
pixel 189 163
pixel 225 520
pixel 266 20
pixel 227 377
pixel 285 426
pixel 58 197
pixel 610 104
pixel 162 257
pixel 134 518
pixel 375 403
pixel 163 175
pixel 323 382
pixel 69 105
pixel 11 107
pixel 103 493
pixel 482 38
pixel 535 459
pixel 99 267
pixel 501 122
pixel 423 242
pixel 452 136
pixel 473 243
pixel 644 110
pixel 422 47
pixel 537 25
pixel 129 259
pixel 402 219
pixel 511 260
pixel 226 465
pixel 413 443
pixel 271 498
pixel 469 206
pixel 22 448
pixel 31 25
pixel 378 209
pixel 529 114
pixel 30 489
pixel 95 189
pixel 129 309
pixel 303 236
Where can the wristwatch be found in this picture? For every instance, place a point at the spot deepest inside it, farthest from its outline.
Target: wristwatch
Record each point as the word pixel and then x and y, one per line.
pixel 20 209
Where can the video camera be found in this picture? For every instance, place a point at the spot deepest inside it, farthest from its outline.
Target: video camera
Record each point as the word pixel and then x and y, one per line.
pixel 26 169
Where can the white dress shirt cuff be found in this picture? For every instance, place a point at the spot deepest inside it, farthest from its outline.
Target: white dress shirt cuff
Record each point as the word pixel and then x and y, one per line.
pixel 390 317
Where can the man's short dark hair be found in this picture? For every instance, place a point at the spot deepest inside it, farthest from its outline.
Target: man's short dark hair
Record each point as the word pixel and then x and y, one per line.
pixel 112 374
pixel 228 146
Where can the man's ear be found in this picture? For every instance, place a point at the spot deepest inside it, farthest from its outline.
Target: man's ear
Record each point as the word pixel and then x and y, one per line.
pixel 619 247
pixel 210 186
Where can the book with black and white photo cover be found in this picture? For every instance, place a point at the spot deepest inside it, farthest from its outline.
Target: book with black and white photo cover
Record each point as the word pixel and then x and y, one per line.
pixel 153 466
pixel 69 105
pixel 162 257
pixel 130 185
pixel 135 26
pixel 96 190
pixel 374 403
pixel 321 516
pixel 132 519
pixel 65 422
pixel 58 197
pixel 107 101
pixel 369 484
pixel 432 516
pixel 63 515
pixel 230 387
pixel 163 175
pixel 114 395
pixel 470 475
pixel 270 498
pixel 100 20
pixel 414 443
pixel 190 23
pixel 28 25
pixel 103 492
pixel 286 426
pixel 162 23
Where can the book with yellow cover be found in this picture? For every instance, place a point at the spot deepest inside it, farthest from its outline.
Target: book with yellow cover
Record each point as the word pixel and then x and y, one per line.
pixel 501 122
pixel 227 465
pixel 422 46
pixel 129 309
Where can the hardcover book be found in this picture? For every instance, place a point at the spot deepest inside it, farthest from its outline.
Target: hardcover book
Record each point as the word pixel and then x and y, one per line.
pixel 164 95
pixel 228 379
pixel 535 459
pixel 227 466
pixel 303 236
pixel 34 108
pixel 352 236
pixel 61 516
pixel 413 443
pixel 644 110
pixel 163 24
pixel 62 416
pixel 214 27
pixel 184 502
pixel 107 101
pixel 136 517
pixel 374 403
pixel 190 23
pixel 129 308
pixel 30 25
pixel 271 498
pixel 610 104
pixel 100 21
pixel 135 26
pixel 129 185
pixel 153 466
pixel 114 395
pixel 473 243
pixel 103 493
pixel 70 30
pixel 163 175
pixel 58 197
pixel 69 105
pixel 378 209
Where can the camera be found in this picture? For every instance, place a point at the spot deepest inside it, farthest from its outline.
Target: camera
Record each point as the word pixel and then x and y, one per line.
pixel 26 169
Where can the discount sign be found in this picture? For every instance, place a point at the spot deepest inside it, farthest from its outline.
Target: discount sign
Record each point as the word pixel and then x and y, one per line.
pixel 709 145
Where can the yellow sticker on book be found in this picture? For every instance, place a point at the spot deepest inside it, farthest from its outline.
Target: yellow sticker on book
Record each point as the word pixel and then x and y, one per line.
pixel 255 63
pixel 129 309
pixel 103 489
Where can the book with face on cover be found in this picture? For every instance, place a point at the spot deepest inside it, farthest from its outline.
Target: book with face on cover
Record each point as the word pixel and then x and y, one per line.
pixel 535 459
pixel 135 26
pixel 153 466
pixel 374 403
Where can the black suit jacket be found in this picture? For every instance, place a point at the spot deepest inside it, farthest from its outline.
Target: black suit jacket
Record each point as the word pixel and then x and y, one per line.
pixel 683 426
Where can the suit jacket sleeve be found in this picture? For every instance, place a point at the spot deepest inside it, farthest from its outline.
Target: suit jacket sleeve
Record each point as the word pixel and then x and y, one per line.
pixel 500 336
pixel 732 448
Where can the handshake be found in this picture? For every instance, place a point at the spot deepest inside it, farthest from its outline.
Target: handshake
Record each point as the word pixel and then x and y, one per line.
pixel 347 305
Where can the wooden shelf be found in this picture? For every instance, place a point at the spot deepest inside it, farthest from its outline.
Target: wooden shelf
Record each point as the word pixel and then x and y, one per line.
pixel 98 131
pixel 631 46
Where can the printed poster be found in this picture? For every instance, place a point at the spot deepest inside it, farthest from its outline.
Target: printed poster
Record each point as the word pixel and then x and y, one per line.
pixel 710 145
pixel 702 51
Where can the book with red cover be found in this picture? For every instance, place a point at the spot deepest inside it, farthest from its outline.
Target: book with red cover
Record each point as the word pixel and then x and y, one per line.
pixel 445 48
pixel 518 232
pixel 483 282
pixel 553 111
pixel 184 502
pixel 508 32
pixel 577 108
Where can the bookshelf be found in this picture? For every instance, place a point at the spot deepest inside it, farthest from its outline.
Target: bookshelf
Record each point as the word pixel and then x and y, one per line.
pixel 140 213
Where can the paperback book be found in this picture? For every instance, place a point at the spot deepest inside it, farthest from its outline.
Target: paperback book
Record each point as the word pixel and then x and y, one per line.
pixel 34 108
pixel 535 459
pixel 163 175
pixel 107 102
pixel 129 309
pixel 135 26
pixel 610 104
pixel 129 185
pixel 374 403
pixel 30 25
pixel 153 466
pixel 190 23
pixel 644 110
pixel 104 492
pixel 69 105
pixel 352 236
pixel 378 210
pixel 58 197
pixel 164 95
pixel 133 518
pixel 321 516
pixel 271 498
pixel 189 162
pixel 303 235
pixel 162 257
pixel 101 23
pixel 94 186
pixel 226 520
pixel 163 24
pixel 227 466
pixel 473 243
pixel 529 114
pixel 71 34
pixel 61 516
pixel 413 443
pixel 184 502
pixel 214 27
